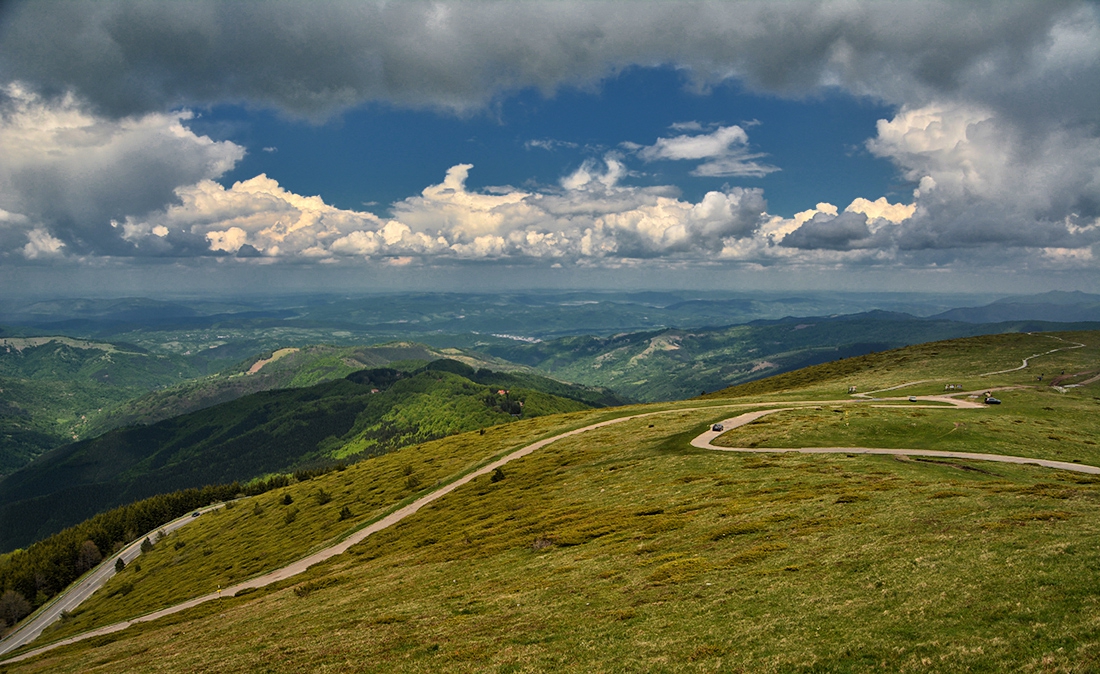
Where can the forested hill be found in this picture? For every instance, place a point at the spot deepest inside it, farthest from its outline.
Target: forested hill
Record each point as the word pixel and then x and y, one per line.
pixel 370 412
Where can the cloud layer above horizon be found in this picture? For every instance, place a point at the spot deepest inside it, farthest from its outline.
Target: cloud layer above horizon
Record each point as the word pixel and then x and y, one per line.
pixel 996 129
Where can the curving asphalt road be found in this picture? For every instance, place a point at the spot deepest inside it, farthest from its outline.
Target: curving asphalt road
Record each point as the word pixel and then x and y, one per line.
pixel 702 441
pixel 1076 345
pixel 79 591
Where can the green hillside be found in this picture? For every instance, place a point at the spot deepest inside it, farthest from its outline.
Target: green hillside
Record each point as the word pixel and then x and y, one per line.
pixel 269 432
pixel 292 367
pixel 625 548
pixel 674 364
pixel 53 388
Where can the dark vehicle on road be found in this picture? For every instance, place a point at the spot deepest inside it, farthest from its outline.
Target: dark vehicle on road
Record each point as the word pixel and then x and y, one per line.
pixel 195 514
pixel 992 401
pixel 718 427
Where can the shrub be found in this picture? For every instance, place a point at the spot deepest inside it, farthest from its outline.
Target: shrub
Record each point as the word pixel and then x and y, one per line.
pixel 13 607
pixel 287 499
pixel 497 475
pixel 345 513
pixel 88 556
pixel 119 565
pixel 146 545
pixel 291 515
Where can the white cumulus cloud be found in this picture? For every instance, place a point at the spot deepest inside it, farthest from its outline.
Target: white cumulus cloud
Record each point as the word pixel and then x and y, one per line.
pixel 70 172
pixel 724 152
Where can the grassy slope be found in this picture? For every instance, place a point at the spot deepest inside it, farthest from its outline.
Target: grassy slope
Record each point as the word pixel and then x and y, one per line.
pixel 669 557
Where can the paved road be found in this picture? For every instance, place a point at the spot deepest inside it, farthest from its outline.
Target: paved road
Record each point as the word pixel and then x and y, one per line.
pixel 702 441
pixel 1076 345
pixel 76 593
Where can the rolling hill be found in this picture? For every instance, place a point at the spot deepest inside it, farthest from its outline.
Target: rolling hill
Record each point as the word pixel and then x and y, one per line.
pixel 290 367
pixel 369 412
pixel 55 389
pixel 51 387
pixel 624 547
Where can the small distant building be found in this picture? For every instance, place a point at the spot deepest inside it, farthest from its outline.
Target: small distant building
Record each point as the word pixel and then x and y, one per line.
pixel 851 389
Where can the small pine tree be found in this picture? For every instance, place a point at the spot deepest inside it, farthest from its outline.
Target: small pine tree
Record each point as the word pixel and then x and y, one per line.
pixel 119 565
pixel 345 513
pixel 146 545
pixel 287 499
pixel 497 475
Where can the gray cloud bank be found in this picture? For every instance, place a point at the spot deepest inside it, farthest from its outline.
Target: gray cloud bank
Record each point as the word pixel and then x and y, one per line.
pixel 998 122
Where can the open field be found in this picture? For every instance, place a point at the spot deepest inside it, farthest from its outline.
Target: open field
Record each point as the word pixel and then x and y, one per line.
pixel 625 549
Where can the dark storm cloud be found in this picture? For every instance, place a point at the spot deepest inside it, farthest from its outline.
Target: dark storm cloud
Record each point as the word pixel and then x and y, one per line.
pixel 997 118
pixel 314 58
pixel 842 232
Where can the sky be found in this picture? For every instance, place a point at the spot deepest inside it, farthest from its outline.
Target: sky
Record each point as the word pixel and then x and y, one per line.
pixel 227 147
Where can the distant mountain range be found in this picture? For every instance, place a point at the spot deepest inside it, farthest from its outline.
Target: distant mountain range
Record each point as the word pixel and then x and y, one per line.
pixel 1055 306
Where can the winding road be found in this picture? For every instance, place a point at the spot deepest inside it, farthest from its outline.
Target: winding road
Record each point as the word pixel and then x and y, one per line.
pixel 702 441
pixel 79 591
pixel 1076 345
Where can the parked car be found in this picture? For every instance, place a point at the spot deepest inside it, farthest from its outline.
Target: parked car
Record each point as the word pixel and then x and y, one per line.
pixel 195 514
pixel 912 399
pixel 992 401
pixel 718 427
